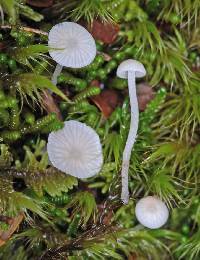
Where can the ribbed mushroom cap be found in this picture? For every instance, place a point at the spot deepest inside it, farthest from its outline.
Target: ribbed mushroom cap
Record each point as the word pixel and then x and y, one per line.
pixel 151 212
pixel 72 45
pixel 128 66
pixel 75 150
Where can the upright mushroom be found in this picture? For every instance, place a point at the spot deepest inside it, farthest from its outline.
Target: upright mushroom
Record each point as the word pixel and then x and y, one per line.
pixel 130 69
pixel 75 150
pixel 71 45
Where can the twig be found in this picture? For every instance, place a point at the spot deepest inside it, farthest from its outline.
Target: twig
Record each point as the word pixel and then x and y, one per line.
pixel 27 29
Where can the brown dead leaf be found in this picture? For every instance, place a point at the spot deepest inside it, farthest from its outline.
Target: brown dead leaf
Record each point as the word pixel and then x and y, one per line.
pixel 104 31
pixel 50 104
pixel 107 219
pixel 2 45
pixel 95 82
pixel 106 101
pixel 132 257
pixel 145 94
pixel 14 224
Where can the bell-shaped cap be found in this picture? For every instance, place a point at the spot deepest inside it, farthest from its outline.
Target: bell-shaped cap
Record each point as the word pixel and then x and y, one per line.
pixel 128 66
pixel 151 212
pixel 75 150
pixel 71 45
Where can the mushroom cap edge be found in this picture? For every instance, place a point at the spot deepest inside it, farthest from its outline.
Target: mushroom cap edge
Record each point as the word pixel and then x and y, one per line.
pixel 132 66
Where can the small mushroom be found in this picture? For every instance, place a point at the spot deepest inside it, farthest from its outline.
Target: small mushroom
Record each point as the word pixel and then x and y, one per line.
pixel 75 150
pixel 71 46
pixel 151 212
pixel 130 69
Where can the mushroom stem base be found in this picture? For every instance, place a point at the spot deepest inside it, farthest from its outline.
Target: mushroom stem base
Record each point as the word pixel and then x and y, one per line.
pixel 125 191
pixel 56 73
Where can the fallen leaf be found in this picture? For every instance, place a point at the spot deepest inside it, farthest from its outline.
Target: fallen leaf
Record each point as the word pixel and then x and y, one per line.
pixel 145 94
pixel 132 257
pixel 95 82
pixel 14 224
pixel 104 31
pixel 2 45
pixel 50 104
pixel 106 101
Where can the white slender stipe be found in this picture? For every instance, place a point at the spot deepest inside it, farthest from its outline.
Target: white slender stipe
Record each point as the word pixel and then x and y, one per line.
pixel 130 69
pixel 131 136
pixel 56 73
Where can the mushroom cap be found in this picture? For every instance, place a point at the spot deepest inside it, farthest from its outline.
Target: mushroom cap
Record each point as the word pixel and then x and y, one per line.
pixel 75 150
pixel 130 65
pixel 72 45
pixel 151 212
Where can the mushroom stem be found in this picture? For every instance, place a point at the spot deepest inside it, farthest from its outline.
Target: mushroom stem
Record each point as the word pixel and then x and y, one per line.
pixel 131 136
pixel 56 73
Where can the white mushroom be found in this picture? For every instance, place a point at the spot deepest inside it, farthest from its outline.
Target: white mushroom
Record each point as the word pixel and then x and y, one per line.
pixel 71 46
pixel 130 69
pixel 151 212
pixel 75 150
